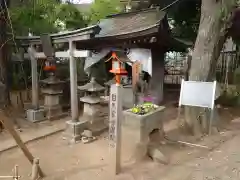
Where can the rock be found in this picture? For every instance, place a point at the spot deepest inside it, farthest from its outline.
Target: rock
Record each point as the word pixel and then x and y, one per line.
pixel 87 133
pixel 157 155
pixel 86 140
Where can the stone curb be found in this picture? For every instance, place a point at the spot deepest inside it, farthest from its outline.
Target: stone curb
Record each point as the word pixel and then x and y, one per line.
pixel 34 139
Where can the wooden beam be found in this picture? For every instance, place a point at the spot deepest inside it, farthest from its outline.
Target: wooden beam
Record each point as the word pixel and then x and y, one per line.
pixel 60 54
pixel 7 123
pixel 75 35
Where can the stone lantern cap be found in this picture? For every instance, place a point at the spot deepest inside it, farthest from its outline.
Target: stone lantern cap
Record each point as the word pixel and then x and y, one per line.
pixel 92 86
pixel 52 80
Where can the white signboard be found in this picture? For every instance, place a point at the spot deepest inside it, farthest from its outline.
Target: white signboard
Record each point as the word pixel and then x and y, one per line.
pixel 199 94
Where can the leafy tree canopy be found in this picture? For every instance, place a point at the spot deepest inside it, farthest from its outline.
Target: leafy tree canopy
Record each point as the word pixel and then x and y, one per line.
pixel 102 8
pixel 45 16
pixel 184 16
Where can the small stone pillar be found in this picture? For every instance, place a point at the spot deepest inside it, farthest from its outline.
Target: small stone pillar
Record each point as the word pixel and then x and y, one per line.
pixel 92 106
pixel 52 91
pixel 35 113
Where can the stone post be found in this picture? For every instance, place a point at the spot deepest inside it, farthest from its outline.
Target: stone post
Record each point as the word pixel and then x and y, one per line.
pixel 35 113
pixel 73 83
pixel 35 100
pixel 74 127
pixel 115 118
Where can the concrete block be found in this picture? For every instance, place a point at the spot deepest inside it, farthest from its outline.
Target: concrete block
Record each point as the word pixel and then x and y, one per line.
pixel 35 115
pixel 74 130
pixel 141 126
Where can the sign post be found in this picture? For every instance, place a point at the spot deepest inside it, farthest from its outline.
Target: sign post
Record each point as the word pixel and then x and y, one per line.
pixel 115 126
pixel 199 94
pixel 115 113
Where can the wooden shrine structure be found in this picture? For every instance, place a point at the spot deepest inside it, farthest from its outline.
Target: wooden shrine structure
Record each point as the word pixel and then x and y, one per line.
pixel 147 29
pixel 143 29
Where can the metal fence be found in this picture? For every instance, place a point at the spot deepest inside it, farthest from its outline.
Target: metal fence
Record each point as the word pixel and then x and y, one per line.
pixel 227 64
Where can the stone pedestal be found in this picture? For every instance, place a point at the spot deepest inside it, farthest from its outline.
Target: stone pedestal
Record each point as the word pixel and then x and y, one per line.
pixel 35 115
pixel 92 107
pixel 52 91
pixel 141 126
pixel 52 104
pixel 74 130
pixel 92 113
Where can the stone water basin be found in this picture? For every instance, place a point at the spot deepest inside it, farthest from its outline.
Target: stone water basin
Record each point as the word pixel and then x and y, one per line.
pixel 140 126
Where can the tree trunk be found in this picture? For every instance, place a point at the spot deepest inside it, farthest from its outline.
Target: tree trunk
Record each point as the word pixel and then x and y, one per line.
pixel 157 80
pixel 215 21
pixel 4 46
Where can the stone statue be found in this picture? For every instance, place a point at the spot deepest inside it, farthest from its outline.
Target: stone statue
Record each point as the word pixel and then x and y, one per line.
pixel 140 88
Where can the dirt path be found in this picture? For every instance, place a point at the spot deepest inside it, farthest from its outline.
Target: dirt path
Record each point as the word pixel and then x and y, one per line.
pixel 60 160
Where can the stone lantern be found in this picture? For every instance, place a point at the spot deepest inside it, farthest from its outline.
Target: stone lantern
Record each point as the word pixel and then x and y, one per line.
pixel 52 90
pixel 92 106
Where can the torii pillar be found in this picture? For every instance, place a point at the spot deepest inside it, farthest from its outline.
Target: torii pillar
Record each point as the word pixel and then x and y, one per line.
pixel 74 126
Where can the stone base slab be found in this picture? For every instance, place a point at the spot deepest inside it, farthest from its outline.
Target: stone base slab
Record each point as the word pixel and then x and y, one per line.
pixel 35 115
pixel 74 130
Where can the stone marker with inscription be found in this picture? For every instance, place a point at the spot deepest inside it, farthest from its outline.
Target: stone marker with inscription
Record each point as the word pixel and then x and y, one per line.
pixel 115 116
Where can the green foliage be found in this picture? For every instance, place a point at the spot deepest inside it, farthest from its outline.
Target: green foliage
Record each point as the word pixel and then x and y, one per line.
pixel 102 8
pixel 230 97
pixel 144 108
pixel 44 17
pixel 186 18
pixel 72 17
pixel 237 78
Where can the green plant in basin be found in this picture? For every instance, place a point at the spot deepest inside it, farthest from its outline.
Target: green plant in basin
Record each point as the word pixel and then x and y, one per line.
pixel 144 108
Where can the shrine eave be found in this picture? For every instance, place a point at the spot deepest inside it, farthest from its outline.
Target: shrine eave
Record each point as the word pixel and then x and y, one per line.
pixel 152 31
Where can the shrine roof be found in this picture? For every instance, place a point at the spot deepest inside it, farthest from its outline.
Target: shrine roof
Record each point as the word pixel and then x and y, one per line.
pixel 131 22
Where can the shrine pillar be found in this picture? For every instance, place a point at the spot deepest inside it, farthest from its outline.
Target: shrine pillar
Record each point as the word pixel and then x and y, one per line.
pixel 157 79
pixel 34 72
pixel 73 83
pixel 74 126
